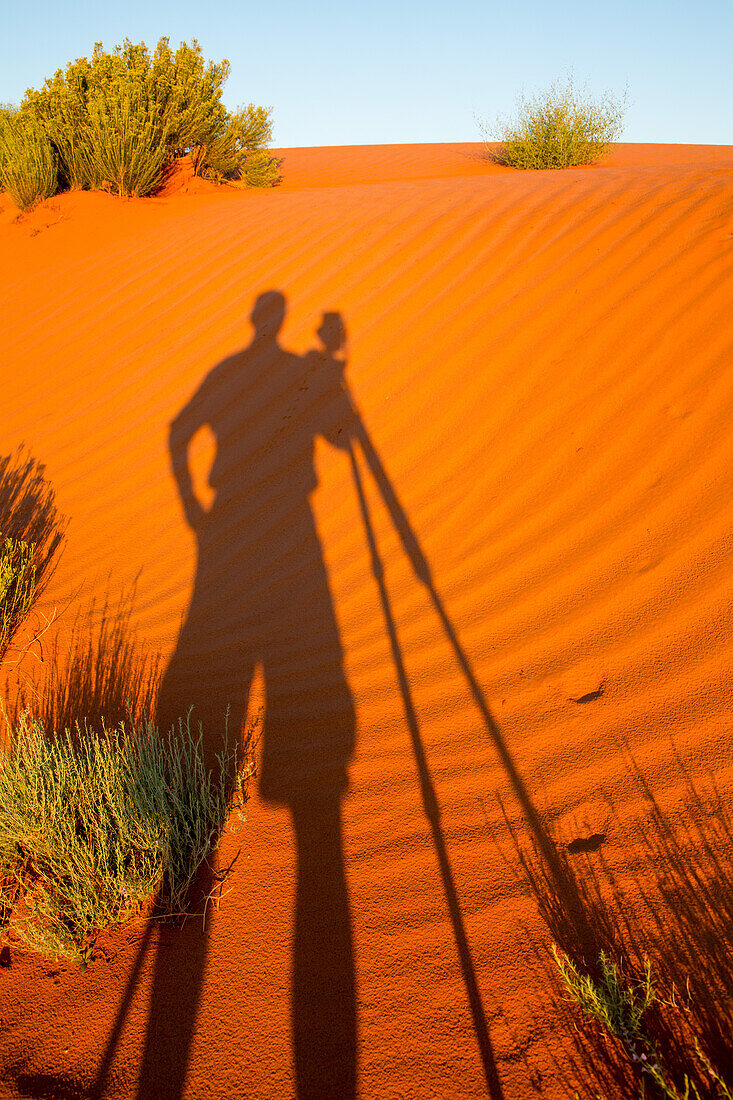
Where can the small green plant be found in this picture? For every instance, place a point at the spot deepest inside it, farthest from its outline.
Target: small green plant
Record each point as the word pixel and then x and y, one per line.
pixel 557 128
pixel 619 1004
pixel 96 822
pixel 17 587
pixel 615 1002
pixel 28 167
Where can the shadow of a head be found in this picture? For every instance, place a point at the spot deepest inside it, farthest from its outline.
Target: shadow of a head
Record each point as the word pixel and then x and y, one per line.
pixel 268 314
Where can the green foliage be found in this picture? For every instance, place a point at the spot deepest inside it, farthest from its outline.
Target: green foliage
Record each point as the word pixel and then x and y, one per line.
pixel 17 587
pixel 188 96
pixel 557 128
pixel 118 120
pixel 227 154
pixel 95 823
pixel 619 1005
pixel 27 159
pixel 60 108
pixel 616 1003
pixel 261 170
pixel 126 146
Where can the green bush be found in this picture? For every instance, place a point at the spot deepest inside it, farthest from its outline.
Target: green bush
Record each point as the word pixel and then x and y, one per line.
pixel 27 160
pixel 126 146
pixel 557 128
pixel 228 154
pixel 118 120
pixel 261 170
pixel 95 823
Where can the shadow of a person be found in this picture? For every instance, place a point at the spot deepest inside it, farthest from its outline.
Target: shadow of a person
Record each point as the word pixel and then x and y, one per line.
pixel 261 599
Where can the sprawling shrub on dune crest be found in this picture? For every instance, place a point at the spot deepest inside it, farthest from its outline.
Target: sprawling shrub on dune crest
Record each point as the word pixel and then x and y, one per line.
pixel 557 128
pixel 117 120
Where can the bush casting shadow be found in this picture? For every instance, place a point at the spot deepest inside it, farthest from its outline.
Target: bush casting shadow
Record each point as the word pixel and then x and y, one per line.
pixel 28 515
pixel 684 928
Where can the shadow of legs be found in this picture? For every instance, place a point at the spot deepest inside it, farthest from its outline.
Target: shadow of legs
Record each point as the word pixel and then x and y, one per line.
pixel 324 994
pixel 180 962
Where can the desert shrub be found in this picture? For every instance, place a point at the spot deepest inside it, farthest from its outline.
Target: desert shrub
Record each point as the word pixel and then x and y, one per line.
pixel 60 108
pixel 17 587
pixel 95 823
pixel 650 968
pixel 188 95
pixel 126 146
pixel 618 1003
pixel 118 119
pixel 28 167
pixel 261 170
pixel 557 128
pixel 228 153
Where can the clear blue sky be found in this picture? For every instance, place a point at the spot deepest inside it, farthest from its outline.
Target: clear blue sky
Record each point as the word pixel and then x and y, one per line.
pixel 412 70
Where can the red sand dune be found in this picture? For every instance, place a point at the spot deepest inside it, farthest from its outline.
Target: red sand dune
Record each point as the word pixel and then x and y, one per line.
pixel 541 363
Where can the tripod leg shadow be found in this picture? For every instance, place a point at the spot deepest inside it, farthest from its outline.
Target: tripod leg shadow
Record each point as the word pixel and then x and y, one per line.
pixel 432 810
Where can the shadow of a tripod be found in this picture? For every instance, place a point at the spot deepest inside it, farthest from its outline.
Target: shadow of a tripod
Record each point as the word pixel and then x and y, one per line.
pixel 430 802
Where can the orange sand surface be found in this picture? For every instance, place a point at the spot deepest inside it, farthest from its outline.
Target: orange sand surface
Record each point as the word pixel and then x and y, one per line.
pixel 539 364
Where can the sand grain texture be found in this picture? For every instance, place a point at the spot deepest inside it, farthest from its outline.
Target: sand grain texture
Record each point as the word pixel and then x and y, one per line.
pixel 543 364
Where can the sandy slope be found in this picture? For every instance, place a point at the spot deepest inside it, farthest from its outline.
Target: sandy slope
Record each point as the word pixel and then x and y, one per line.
pixel 543 364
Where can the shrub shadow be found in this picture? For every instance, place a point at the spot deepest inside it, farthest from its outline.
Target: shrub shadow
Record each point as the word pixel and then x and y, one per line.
pixel 28 514
pixel 28 510
pixel 681 921
pixel 95 672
